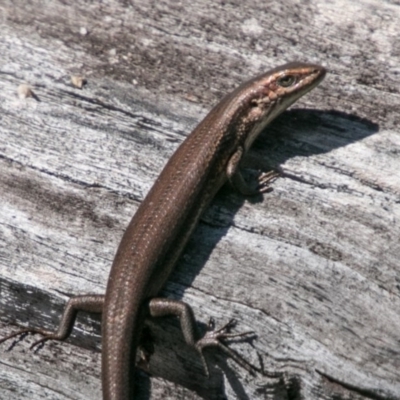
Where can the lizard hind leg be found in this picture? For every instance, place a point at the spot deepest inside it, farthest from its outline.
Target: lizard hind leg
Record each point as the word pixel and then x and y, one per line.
pixel 213 338
pixel 90 303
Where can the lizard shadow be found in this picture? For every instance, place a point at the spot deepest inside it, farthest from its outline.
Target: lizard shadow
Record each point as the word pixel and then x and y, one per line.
pixel 300 132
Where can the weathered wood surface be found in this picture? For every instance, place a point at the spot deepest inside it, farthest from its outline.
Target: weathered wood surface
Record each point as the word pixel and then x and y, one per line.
pixel 312 267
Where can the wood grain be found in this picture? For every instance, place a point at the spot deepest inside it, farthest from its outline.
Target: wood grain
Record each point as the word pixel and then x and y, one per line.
pixel 312 267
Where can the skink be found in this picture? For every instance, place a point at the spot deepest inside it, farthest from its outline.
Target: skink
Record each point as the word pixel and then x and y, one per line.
pixel 158 232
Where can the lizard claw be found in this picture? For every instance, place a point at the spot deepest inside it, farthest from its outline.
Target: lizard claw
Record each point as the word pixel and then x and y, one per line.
pixel 39 343
pixel 265 179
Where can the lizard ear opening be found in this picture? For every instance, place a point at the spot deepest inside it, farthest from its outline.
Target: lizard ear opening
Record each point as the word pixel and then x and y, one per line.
pixel 254 103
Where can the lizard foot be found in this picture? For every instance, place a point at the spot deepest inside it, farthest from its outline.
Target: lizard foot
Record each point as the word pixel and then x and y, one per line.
pixel 23 332
pixel 213 338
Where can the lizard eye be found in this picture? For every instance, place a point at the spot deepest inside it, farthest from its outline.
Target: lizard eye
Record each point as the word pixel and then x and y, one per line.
pixel 286 81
